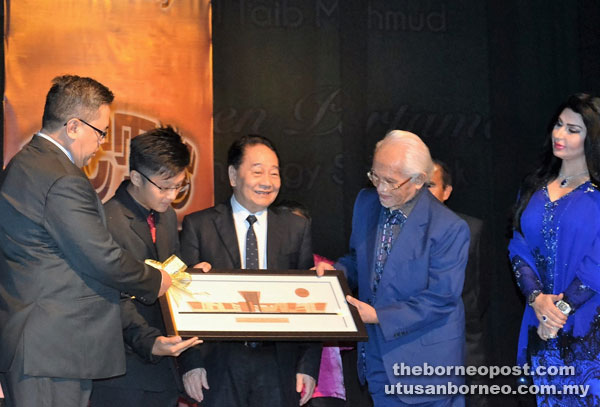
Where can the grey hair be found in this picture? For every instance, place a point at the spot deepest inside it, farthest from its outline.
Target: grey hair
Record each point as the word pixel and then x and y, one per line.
pixel 417 159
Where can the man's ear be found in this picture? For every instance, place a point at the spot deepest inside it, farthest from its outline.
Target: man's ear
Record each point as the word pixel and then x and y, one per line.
pixel 419 180
pixel 136 178
pixel 232 175
pixel 71 129
pixel 447 192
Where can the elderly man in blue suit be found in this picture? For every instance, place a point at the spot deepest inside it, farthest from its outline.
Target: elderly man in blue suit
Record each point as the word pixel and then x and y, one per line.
pixel 407 257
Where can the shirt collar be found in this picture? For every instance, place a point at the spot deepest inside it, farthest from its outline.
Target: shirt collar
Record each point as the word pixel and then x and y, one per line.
pixel 143 210
pixel 50 139
pixel 407 208
pixel 239 210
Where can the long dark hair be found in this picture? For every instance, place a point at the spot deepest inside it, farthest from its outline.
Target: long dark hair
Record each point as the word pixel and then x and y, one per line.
pixel 589 108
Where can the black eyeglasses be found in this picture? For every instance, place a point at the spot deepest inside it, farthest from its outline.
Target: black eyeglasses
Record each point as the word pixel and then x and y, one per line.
pixel 101 134
pixel 178 189
pixel 376 181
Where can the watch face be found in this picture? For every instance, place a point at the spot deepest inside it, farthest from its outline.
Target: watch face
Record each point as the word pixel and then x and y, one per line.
pixel 563 307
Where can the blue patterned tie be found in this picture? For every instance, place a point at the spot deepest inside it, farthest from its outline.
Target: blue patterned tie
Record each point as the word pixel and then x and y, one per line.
pixel 385 245
pixel 251 245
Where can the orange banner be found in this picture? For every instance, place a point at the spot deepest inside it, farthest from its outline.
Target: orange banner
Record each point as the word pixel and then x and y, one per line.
pixel 155 55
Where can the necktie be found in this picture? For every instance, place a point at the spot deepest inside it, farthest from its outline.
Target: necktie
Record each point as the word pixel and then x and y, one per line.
pixel 385 244
pixel 251 245
pixel 150 220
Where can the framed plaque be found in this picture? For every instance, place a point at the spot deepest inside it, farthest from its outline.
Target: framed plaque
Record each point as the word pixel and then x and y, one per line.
pixel 262 305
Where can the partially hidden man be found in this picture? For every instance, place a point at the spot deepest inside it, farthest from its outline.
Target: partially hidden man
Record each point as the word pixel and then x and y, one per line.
pixel 246 233
pixel 61 272
pixel 407 257
pixel 474 295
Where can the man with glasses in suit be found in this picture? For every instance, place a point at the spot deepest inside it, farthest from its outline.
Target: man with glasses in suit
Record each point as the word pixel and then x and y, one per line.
pixel 143 222
pixel 407 258
pixel 61 272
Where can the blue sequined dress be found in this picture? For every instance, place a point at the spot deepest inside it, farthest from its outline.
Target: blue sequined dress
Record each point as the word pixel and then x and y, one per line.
pixel 557 252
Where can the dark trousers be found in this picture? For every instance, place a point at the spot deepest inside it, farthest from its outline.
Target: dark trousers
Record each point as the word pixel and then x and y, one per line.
pixel 475 356
pixel 326 402
pixel 357 395
pixel 250 379
pixel 105 396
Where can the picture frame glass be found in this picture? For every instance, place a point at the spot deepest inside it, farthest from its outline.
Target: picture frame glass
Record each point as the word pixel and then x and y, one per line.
pixel 275 305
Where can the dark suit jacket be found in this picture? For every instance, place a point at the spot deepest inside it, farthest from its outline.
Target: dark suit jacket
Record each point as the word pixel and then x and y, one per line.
pixel 474 293
pixel 418 302
pixel 210 235
pixel 142 323
pixel 475 304
pixel 61 271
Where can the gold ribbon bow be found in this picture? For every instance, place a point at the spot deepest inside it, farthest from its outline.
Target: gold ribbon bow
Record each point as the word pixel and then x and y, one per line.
pixel 176 268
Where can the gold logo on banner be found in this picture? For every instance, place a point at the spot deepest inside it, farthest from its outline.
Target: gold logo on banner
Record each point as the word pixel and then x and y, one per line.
pixel 110 165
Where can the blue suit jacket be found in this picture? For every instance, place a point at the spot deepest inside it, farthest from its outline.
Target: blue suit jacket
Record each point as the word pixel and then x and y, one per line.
pixel 418 302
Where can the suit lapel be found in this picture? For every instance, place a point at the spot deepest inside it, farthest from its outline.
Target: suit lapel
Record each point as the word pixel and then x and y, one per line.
pixel 274 239
pixel 372 223
pixel 413 230
pixel 141 228
pixel 226 230
pixel 163 245
pixel 137 222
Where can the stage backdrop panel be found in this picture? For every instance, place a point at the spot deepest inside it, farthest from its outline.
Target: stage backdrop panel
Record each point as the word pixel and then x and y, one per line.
pixel 154 55
pixel 326 80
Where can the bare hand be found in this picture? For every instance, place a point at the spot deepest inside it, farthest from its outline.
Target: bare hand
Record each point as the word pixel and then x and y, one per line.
pixel 172 345
pixel 367 313
pixel 545 332
pixel 205 266
pixel 544 307
pixel 194 381
pixel 165 282
pixel 306 383
pixel 321 267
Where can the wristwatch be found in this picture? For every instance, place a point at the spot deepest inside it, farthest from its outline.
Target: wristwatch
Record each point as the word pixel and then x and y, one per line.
pixel 534 294
pixel 563 307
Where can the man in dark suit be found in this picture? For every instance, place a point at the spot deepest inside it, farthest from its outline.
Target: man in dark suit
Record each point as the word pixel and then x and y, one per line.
pixel 407 256
pixel 60 270
pixel 245 232
pixel 142 221
pixel 475 301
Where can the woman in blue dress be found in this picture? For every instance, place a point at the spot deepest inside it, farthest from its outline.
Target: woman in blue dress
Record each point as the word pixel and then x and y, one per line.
pixel 555 253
